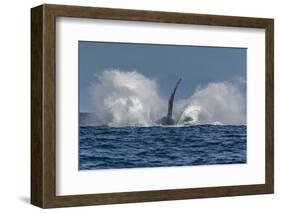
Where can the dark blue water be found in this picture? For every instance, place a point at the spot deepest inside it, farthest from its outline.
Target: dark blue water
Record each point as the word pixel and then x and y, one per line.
pixel 137 147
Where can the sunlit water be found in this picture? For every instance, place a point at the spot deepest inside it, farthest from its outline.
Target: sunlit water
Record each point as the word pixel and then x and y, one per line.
pixel 138 147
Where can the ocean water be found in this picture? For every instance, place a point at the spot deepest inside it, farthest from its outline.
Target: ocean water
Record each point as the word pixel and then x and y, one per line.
pixel 138 147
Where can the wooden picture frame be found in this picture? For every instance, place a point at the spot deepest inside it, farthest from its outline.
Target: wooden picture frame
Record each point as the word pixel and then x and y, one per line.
pixel 43 105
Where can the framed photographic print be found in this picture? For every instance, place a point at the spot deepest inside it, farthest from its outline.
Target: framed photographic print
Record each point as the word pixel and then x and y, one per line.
pixel 136 106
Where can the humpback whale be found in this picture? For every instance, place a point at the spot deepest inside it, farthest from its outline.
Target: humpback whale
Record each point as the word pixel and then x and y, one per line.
pixel 168 120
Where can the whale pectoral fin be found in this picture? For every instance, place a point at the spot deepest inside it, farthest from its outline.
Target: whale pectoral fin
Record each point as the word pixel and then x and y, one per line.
pixel 171 100
pixel 168 120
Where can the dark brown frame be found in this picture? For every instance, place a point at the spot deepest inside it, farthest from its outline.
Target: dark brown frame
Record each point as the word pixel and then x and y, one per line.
pixel 43 105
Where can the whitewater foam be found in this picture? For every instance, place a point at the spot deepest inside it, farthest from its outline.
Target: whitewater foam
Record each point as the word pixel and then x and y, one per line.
pixel 123 98
pixel 128 98
pixel 216 103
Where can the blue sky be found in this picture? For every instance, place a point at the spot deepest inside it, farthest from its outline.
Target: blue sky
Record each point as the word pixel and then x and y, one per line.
pixel 197 66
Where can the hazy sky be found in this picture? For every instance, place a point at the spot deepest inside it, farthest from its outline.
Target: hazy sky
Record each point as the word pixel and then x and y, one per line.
pixel 197 66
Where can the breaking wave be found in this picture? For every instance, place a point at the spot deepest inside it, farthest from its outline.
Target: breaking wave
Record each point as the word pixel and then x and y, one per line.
pixel 128 98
